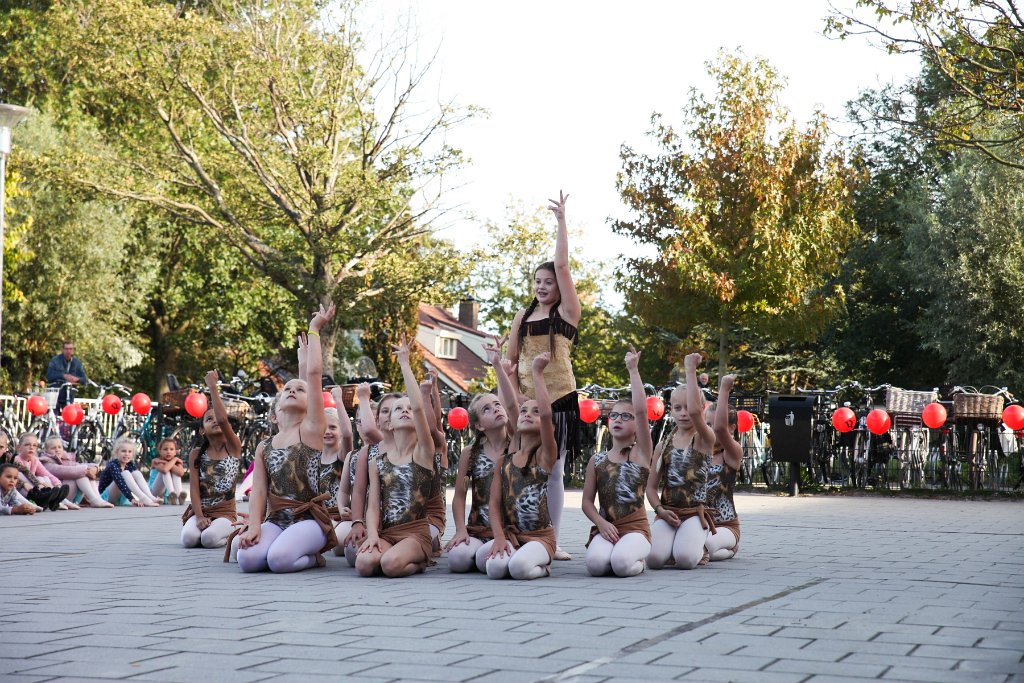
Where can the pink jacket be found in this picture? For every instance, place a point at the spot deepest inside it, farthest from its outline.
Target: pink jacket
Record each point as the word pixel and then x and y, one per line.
pixel 38 469
pixel 66 468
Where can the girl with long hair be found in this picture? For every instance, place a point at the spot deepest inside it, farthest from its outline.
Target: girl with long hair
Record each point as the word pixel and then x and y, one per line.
pixel 397 532
pixel 524 540
pixel 285 491
pixel 724 541
pixel 215 463
pixel 77 476
pixel 676 488
pixel 351 514
pixel 550 324
pixel 620 539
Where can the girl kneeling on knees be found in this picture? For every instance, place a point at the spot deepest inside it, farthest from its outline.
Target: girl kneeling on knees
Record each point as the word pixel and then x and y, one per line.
pixel 524 540
pixel 621 538
pixel 397 531
pixel 679 532
pixel 724 541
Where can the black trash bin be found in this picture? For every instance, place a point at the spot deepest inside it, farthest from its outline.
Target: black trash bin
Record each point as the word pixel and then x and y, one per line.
pixel 790 418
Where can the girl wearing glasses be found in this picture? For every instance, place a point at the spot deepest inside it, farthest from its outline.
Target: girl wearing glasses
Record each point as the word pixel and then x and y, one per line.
pixel 620 539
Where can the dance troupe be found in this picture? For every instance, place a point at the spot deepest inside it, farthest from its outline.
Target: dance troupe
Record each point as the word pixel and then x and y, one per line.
pixel 382 506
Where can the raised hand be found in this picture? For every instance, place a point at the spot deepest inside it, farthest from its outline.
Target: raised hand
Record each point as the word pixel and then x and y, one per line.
pixel 692 360
pixel 363 391
pixel 558 206
pixel 541 361
pixel 401 349
pixel 632 358
pixel 212 379
pixel 727 382
pixel 321 317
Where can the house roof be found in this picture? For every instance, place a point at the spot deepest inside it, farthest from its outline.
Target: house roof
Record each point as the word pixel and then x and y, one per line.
pixel 435 316
pixel 461 370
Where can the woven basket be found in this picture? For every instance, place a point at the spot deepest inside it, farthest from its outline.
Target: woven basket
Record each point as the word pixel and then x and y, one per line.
pixel 173 402
pixel 902 401
pixel 977 407
pixel 240 411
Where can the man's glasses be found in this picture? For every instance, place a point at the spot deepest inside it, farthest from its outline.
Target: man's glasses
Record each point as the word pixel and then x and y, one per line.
pixel 625 417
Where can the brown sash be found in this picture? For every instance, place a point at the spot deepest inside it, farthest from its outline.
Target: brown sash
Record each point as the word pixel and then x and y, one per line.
pixel 224 509
pixel 417 529
pixel 517 537
pixel 336 515
pixel 633 523
pixel 314 507
pixel 436 512
pixel 686 513
pixel 484 533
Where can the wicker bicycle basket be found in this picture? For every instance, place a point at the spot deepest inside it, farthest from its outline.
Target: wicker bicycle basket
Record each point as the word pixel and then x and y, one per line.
pixel 173 402
pixel 238 411
pixel 977 406
pixel 903 401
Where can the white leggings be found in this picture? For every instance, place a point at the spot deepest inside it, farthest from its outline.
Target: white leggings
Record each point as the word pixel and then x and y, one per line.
pixel 530 561
pixel 684 544
pixel 88 488
pixel 137 485
pixel 623 558
pixel 213 536
pixel 466 557
pixel 556 493
pixel 166 481
pixel 284 550
pixel 721 545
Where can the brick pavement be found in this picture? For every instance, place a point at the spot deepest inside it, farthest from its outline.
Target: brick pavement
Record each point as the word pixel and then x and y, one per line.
pixel 824 589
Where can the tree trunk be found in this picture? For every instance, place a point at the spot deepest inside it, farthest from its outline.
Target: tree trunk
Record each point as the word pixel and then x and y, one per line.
pixel 723 350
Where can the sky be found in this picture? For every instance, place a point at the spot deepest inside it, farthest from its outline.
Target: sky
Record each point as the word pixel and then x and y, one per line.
pixel 567 83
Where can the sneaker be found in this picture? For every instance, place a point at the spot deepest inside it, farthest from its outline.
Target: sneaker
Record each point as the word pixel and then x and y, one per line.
pixel 561 554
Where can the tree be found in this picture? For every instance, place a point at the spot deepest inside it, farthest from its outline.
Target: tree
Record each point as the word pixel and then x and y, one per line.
pixel 257 121
pixel 973 76
pixel 749 215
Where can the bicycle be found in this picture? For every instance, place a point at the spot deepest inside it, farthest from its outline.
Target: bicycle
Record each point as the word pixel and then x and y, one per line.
pixel 911 437
pixel 978 415
pixel 49 424
pixel 89 440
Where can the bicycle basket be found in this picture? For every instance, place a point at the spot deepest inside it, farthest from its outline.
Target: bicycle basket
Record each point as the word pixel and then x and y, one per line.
pixel 238 411
pixel 51 397
pixel 977 406
pixel 902 401
pixel 173 402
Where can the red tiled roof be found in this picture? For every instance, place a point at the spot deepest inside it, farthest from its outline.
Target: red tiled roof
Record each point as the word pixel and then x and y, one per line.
pixel 434 316
pixel 461 370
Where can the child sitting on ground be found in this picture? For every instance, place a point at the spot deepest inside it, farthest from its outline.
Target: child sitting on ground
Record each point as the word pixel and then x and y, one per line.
pixel 169 468
pixel 11 502
pixel 123 478
pixel 77 476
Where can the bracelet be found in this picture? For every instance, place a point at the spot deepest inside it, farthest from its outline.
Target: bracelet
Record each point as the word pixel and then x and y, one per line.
pixel 312 333
pixel 358 521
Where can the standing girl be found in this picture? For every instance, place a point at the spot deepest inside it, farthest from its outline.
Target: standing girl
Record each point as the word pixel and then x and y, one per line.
pixel 215 463
pixel 118 478
pixel 724 541
pixel 488 419
pixel 550 324
pixel 77 476
pixel 621 537
pixel 524 540
pixel 681 523
pixel 397 532
pixel 298 528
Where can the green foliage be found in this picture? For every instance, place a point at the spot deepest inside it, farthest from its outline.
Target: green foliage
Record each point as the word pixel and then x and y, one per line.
pixel 749 215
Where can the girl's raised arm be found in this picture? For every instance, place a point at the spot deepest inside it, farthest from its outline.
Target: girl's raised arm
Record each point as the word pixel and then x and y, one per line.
pixel 644 444
pixel 220 411
pixel 344 423
pixel 424 439
pixel 733 451
pixel 566 287
pixel 548 444
pixel 314 423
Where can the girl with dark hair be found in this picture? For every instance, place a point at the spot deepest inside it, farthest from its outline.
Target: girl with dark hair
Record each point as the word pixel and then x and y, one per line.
pixel 550 324
pixel 285 491
pixel 676 488
pixel 488 420
pixel 524 540
pixel 397 532
pixel 215 463
pixel 724 541
pixel 620 539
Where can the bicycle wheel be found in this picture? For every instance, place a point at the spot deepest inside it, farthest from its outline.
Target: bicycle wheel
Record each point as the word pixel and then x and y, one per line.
pixel 253 438
pixel 86 443
pixel 187 437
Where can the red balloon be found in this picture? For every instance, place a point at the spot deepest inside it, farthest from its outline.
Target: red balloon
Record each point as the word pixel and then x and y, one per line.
pixel 37 405
pixel 458 418
pixel 934 415
pixel 655 408
pixel 878 421
pixel 72 414
pixel 590 410
pixel 1013 417
pixel 844 420
pixel 195 404
pixel 744 421
pixel 329 401
pixel 141 403
pixel 111 404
